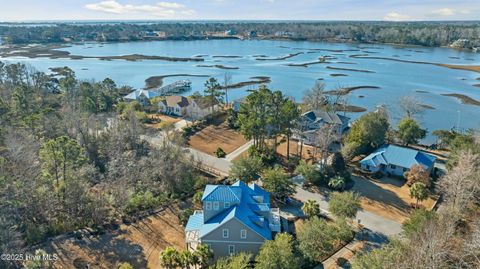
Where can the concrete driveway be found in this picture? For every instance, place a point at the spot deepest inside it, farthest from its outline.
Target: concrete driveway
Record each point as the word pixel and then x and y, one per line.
pixel 370 220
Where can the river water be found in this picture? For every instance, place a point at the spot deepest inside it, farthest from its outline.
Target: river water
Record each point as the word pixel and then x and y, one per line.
pixel 395 79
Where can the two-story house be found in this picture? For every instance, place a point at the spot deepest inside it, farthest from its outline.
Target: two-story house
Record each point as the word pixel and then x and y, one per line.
pixel 311 121
pixel 142 96
pixel 236 218
pixel 195 107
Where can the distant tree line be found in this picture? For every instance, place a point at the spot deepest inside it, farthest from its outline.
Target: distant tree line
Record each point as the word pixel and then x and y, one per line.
pixel 430 34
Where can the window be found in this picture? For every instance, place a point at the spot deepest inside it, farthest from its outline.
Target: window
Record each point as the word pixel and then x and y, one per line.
pixel 243 234
pixel 208 205
pixel 405 169
pixel 393 166
pixel 231 249
pixel 226 205
pixel 215 205
pixel 225 233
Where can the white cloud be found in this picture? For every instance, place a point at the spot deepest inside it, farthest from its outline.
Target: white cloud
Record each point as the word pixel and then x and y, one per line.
pixel 393 16
pixel 444 12
pixel 161 9
pixel 449 12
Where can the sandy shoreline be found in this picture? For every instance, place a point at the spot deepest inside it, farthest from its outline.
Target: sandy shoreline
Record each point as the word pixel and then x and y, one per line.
pixel 347 90
pixel 218 66
pixel 279 58
pixel 255 81
pixel 474 68
pixel 464 98
pixel 349 69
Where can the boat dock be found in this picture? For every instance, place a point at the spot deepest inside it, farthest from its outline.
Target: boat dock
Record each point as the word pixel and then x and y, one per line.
pixel 174 88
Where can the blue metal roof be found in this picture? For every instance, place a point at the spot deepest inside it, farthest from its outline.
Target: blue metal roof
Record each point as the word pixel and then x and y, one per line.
pixel 399 156
pixel 195 222
pixel 222 193
pixel 244 210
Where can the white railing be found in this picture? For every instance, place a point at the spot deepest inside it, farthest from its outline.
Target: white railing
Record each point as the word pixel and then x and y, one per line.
pixel 274 220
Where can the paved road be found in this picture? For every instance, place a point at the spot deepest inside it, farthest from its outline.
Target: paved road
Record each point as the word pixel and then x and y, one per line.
pixel 208 163
pixel 370 220
pixel 221 167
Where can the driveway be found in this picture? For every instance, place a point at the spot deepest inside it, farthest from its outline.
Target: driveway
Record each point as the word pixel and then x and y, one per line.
pixel 370 220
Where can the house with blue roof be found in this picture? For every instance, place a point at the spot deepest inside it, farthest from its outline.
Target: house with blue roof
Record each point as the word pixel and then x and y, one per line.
pixel 396 160
pixel 235 218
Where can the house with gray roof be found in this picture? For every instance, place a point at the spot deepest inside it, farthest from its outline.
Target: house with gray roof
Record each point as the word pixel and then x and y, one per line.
pixel 311 121
pixel 236 218
pixel 396 160
pixel 193 107
pixel 142 96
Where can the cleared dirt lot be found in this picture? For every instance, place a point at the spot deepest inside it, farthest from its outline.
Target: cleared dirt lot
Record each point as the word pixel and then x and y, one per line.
pixel 214 136
pixel 387 197
pixel 307 151
pixel 139 244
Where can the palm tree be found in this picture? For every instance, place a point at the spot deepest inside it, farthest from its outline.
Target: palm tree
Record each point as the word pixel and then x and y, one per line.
pixel 203 255
pixel 187 259
pixel 419 191
pixel 337 183
pixel 169 258
pixel 311 208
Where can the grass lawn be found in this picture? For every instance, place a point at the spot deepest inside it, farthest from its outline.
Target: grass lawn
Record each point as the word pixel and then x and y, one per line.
pixel 139 244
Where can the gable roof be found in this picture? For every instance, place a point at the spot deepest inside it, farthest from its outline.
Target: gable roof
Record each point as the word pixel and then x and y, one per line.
pixel 399 156
pixel 222 193
pixel 138 93
pixel 244 209
pixel 174 100
pixel 325 116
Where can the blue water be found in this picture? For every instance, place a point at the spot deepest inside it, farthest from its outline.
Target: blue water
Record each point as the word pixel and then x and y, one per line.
pixel 396 79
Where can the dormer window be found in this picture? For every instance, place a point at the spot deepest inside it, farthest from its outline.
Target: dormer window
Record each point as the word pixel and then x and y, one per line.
pixel 226 205
pixel 215 205
pixel 208 206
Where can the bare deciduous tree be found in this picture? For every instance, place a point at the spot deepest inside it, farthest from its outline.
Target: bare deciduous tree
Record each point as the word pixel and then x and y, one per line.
pixel 315 98
pixel 411 106
pixel 462 183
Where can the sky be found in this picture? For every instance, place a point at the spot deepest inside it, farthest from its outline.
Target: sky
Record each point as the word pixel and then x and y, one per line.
pixel 389 10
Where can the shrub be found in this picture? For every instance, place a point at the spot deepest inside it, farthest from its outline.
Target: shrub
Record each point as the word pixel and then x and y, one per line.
pixel 125 265
pixel 142 201
pixel 337 183
pixel 220 153
pixel 185 215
